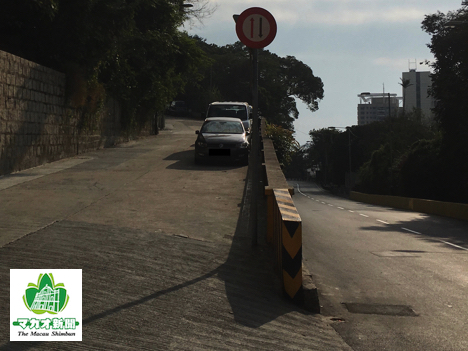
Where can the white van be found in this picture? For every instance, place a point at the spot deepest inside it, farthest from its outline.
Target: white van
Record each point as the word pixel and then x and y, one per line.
pixel 241 110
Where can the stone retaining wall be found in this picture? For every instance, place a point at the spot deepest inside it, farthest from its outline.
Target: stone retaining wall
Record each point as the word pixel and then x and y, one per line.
pixel 37 126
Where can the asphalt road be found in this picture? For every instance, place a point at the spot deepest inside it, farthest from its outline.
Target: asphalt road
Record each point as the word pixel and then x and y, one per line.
pixel 389 279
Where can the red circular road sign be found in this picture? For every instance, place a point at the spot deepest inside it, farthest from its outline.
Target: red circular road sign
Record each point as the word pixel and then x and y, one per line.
pixel 256 27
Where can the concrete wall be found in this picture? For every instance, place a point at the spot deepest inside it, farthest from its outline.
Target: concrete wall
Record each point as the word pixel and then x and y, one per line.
pixel 37 126
pixel 447 209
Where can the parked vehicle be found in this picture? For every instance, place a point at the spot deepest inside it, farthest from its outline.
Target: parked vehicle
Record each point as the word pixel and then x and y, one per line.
pixel 241 110
pixel 178 108
pixel 222 138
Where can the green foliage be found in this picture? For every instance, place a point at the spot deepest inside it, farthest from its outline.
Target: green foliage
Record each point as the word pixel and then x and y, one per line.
pixel 449 35
pixel 26 25
pixel 133 50
pixel 450 77
pixel 422 168
pixel 376 174
pixel 406 155
pixel 381 147
pixel 283 141
pixel 325 145
pixel 376 152
pixel 281 80
pixel 299 164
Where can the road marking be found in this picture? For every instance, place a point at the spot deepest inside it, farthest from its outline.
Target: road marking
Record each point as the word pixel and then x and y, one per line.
pixel 411 231
pixel 442 241
pixel 299 189
pixel 457 246
pixel 363 215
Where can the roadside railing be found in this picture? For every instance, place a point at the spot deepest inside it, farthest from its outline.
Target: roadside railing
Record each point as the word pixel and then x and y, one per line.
pixel 287 242
pixel 284 225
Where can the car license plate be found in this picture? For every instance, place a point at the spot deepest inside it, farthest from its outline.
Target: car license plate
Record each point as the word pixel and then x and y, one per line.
pixel 220 152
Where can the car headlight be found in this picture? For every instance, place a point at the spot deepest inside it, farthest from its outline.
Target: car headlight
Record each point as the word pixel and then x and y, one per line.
pixel 243 145
pixel 201 142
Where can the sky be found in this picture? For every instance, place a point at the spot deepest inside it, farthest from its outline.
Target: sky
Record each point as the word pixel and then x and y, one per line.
pixel 354 46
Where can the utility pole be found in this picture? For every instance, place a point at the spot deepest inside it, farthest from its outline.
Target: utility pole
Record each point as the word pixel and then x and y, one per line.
pixel 389 106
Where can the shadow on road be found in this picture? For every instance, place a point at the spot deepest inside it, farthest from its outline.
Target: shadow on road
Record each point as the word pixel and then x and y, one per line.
pixel 253 290
pixel 186 161
pixel 430 228
pixel 164 272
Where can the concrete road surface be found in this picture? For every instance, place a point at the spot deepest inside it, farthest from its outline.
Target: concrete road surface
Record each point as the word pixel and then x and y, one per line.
pixel 167 262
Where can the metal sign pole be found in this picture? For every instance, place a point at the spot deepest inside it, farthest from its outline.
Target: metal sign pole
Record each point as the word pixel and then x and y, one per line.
pixel 256 28
pixel 255 152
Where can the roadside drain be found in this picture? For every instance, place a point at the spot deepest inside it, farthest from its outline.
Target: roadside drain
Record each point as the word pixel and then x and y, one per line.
pixel 387 310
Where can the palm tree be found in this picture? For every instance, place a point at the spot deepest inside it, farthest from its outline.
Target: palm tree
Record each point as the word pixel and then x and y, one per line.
pixel 405 83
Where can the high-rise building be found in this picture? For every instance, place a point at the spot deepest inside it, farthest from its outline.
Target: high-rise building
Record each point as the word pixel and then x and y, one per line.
pixel 374 107
pixel 416 95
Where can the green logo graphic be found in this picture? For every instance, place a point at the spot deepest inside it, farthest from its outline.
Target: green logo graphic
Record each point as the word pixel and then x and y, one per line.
pixel 46 296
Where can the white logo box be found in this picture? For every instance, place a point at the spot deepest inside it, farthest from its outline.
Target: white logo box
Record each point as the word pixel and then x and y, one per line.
pixel 66 325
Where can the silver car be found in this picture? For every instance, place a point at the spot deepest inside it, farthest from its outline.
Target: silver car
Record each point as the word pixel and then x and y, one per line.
pixel 222 138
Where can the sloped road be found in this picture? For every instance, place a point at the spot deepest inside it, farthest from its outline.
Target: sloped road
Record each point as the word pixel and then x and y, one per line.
pixel 166 259
pixel 392 280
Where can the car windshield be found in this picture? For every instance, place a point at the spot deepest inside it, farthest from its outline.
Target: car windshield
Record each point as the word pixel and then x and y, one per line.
pixel 238 111
pixel 223 127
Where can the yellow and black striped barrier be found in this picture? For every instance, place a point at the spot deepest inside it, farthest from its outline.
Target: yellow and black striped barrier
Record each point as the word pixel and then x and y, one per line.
pixel 287 239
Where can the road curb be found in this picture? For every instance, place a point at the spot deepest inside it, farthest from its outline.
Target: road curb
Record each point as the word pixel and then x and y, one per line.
pixel 311 298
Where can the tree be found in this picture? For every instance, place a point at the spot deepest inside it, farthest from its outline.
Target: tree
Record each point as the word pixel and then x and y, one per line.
pixel 300 163
pixel 377 151
pixel 285 144
pixel 422 171
pixel 24 25
pixel 131 49
pixel 323 148
pixel 405 83
pixel 281 80
pixel 449 35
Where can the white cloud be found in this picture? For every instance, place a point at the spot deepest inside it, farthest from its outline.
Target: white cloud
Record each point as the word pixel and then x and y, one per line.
pixel 394 63
pixel 355 17
pixel 402 64
pixel 352 45
pixel 332 12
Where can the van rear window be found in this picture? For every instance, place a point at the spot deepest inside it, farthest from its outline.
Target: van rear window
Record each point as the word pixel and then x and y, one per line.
pixel 237 111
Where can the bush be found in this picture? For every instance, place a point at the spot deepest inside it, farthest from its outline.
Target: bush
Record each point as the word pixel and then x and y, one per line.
pixel 421 171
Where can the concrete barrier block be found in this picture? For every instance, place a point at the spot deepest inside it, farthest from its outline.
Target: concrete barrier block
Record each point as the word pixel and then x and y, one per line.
pixel 446 209
pixel 311 296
